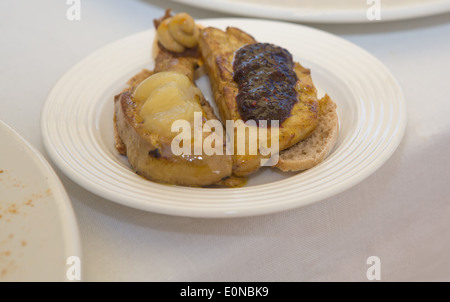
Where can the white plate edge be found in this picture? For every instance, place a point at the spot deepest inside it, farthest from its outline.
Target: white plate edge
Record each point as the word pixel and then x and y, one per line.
pixel 63 203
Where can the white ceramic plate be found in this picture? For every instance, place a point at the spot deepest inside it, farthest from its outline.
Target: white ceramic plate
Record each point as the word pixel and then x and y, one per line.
pixel 325 11
pixel 38 230
pixel 77 126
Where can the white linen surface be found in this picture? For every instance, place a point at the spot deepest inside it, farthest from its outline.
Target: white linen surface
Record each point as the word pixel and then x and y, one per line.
pixel 401 213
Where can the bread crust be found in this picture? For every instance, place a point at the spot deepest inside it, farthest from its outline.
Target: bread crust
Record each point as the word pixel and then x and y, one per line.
pixel 315 148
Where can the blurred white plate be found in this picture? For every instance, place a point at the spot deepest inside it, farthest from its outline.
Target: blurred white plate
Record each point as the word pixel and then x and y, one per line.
pixel 325 11
pixel 38 230
pixel 77 126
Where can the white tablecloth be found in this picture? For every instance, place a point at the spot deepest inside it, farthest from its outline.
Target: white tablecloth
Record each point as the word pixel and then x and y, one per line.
pixel 401 213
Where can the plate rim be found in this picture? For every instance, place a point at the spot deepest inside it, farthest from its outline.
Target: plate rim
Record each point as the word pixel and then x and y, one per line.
pixel 189 212
pixel 69 223
pixel 319 16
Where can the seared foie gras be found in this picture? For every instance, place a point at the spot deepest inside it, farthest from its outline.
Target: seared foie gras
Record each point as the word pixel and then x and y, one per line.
pixel 258 81
pixel 145 113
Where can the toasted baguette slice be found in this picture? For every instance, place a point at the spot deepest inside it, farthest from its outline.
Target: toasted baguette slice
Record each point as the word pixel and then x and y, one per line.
pixel 313 150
